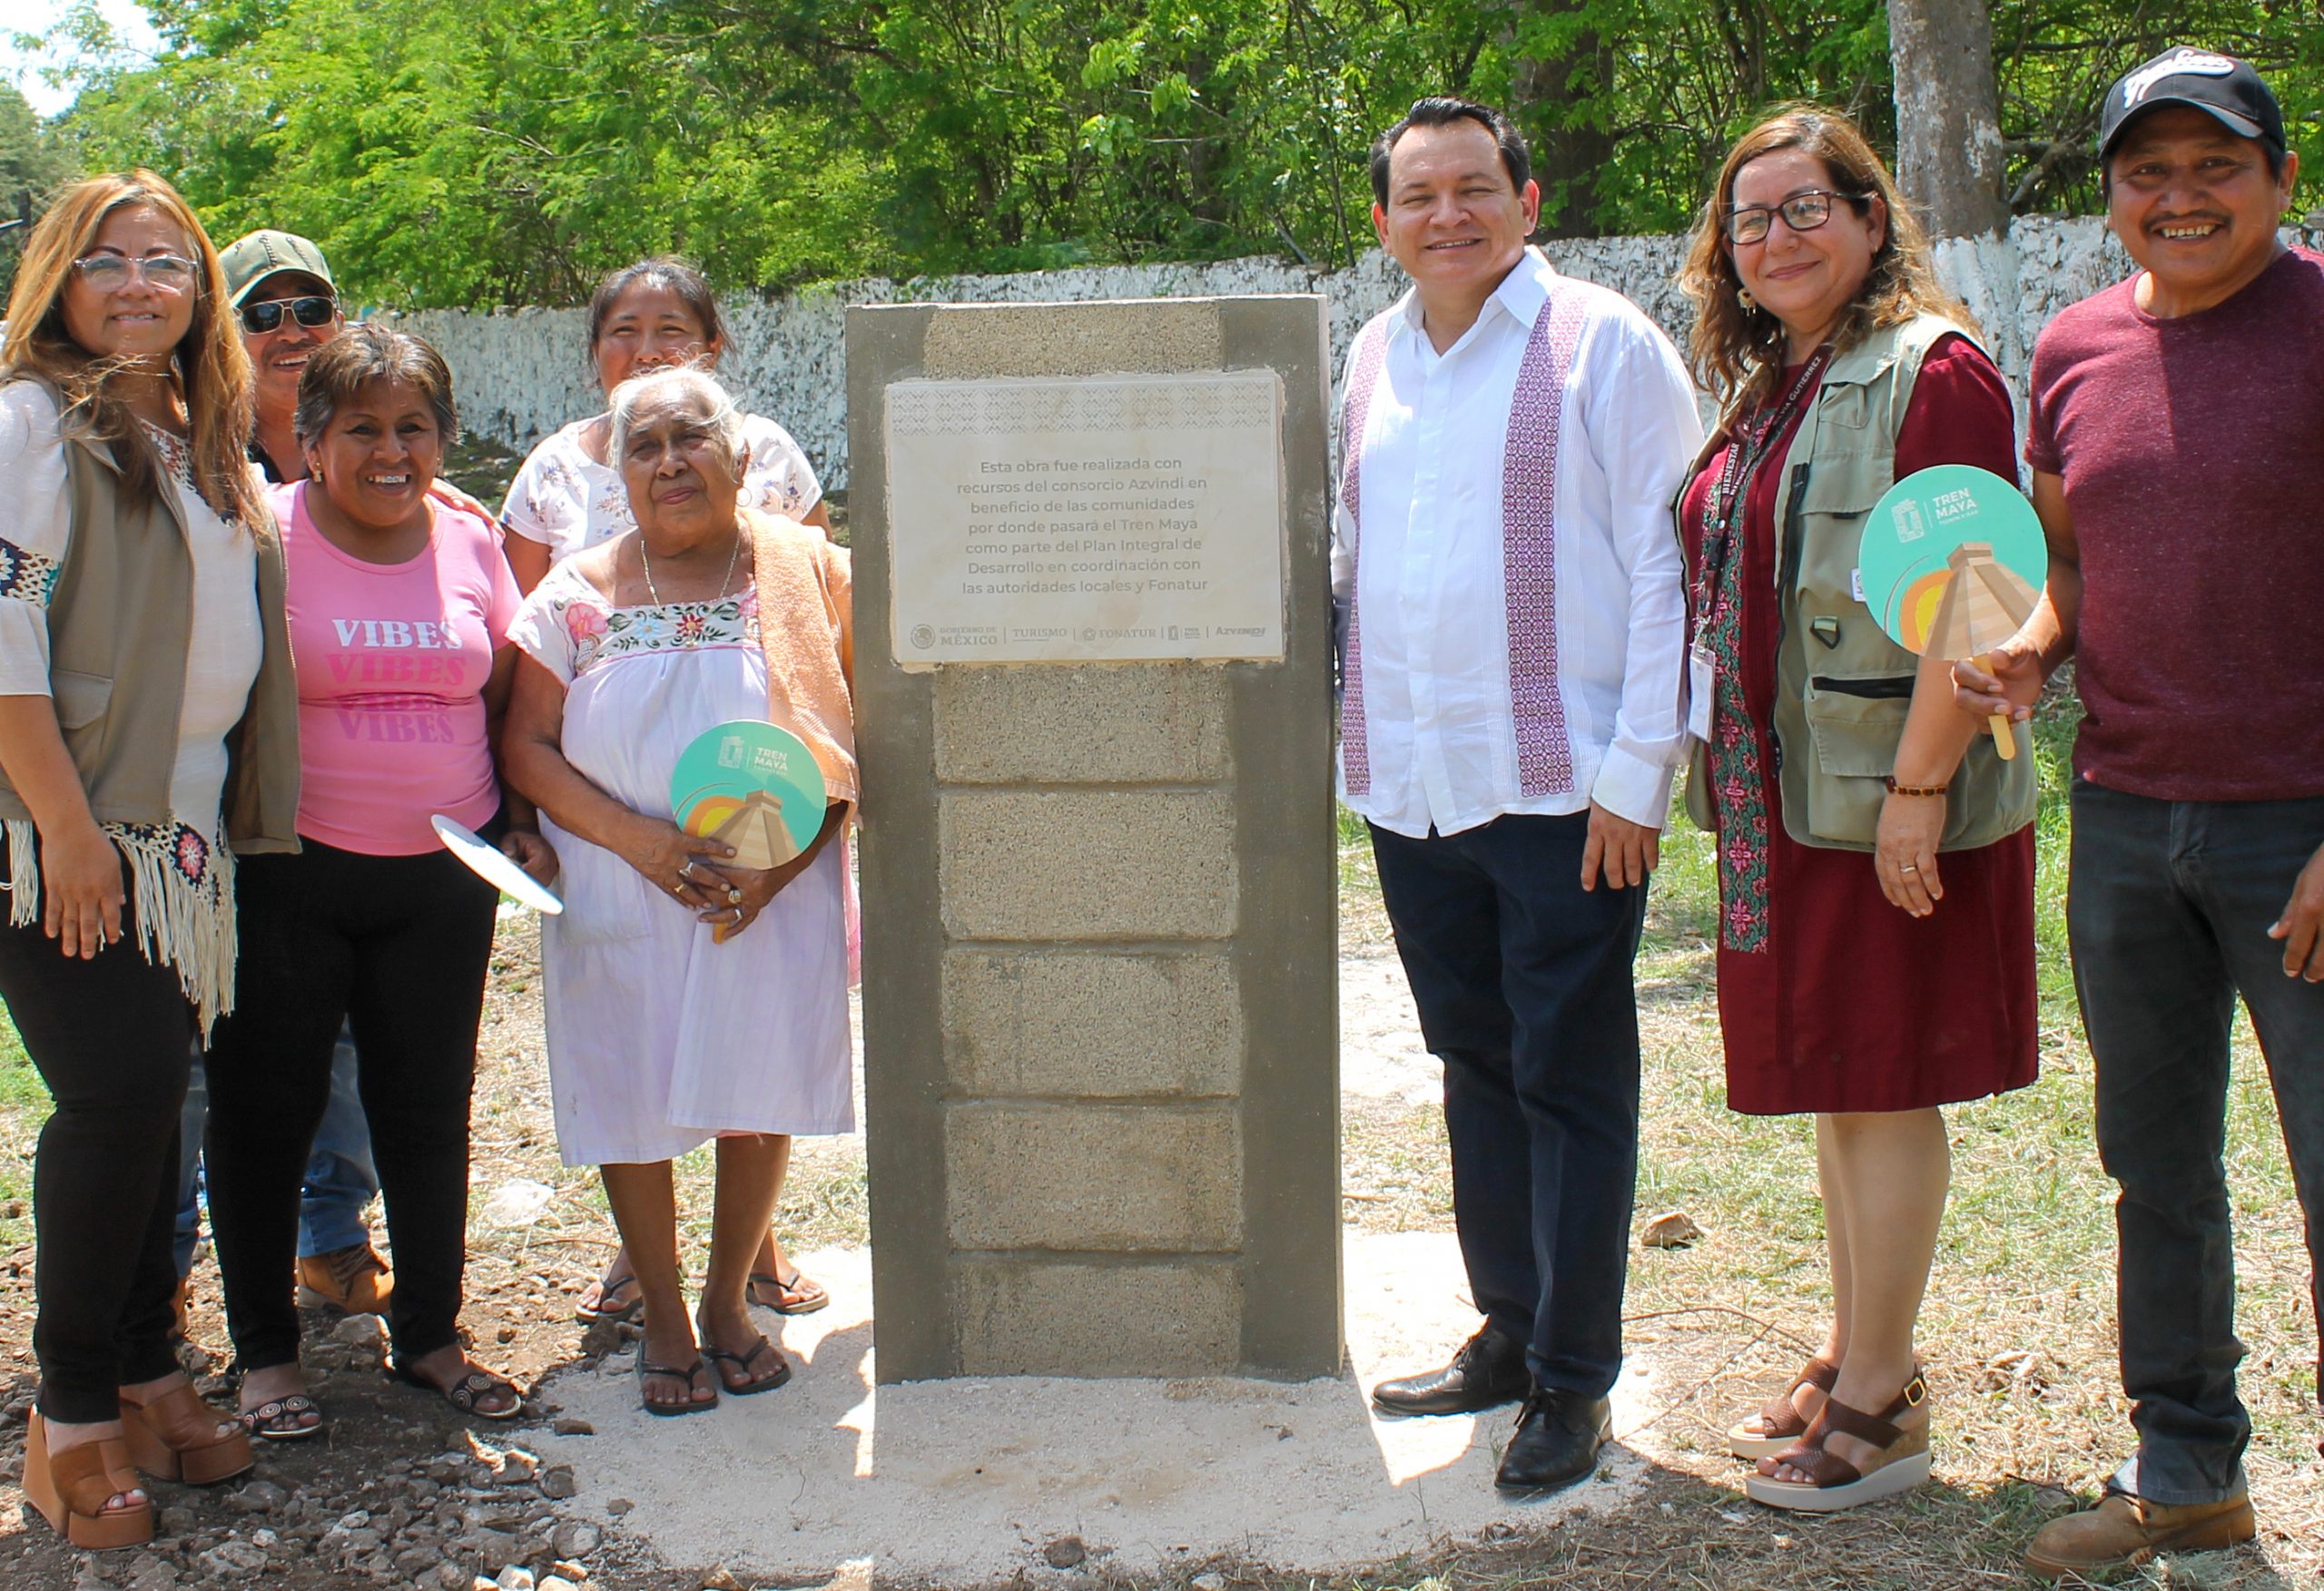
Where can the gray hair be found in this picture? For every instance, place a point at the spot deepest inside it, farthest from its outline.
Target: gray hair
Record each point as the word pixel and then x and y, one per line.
pixel 682 382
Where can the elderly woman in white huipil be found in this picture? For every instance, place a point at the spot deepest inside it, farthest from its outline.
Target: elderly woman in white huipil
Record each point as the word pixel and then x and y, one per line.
pixel 688 999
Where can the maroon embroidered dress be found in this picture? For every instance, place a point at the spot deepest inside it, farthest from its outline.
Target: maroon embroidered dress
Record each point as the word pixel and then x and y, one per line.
pixel 1845 1003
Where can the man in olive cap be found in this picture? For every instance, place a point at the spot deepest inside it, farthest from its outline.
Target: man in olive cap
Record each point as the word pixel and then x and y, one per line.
pixel 280 288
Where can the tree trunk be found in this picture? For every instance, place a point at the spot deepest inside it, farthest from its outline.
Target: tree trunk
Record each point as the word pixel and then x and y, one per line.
pixel 1948 117
pixel 1567 160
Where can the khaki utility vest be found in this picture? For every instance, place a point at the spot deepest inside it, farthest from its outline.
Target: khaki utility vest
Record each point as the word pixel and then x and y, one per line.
pixel 119 621
pixel 1842 686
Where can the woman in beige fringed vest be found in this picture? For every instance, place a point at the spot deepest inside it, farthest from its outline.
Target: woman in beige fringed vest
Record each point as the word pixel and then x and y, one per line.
pixel 148 729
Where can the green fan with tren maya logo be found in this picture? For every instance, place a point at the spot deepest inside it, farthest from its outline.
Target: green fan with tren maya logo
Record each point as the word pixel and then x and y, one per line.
pixel 1952 559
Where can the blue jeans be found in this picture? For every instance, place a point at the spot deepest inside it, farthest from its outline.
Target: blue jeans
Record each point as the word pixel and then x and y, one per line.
pixel 1522 981
pixel 340 1178
pixel 2168 915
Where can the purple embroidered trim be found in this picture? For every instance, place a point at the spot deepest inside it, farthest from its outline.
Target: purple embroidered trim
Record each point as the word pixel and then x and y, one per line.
pixel 1528 478
pixel 1364 373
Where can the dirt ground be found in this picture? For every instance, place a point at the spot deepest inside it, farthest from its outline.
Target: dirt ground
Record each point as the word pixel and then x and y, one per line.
pixel 402 1493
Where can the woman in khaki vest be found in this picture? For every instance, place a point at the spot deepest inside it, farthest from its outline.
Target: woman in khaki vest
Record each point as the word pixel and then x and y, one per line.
pixel 1835 767
pixel 141 641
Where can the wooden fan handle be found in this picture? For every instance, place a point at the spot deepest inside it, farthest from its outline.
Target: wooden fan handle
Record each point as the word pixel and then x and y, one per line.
pixel 2004 735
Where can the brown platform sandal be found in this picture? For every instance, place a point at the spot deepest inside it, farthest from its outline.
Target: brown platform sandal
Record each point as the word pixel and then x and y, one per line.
pixel 71 1491
pixel 178 1437
pixel 1904 1461
pixel 1779 1424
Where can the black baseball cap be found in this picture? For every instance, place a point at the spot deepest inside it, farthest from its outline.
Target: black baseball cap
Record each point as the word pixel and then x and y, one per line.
pixel 2222 87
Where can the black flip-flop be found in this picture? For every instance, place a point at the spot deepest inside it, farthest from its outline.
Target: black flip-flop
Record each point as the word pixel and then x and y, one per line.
pixel 741 1361
pixel 259 1422
pixel 593 1314
pixel 670 1410
pixel 466 1392
pixel 801 1295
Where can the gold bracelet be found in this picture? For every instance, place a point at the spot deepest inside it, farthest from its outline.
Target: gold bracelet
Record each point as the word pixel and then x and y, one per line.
pixel 1915 789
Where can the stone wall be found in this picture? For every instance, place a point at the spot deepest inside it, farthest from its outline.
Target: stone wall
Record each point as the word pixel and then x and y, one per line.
pixel 522 373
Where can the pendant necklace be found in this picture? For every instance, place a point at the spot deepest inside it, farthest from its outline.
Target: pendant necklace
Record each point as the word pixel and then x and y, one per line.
pixel 647 564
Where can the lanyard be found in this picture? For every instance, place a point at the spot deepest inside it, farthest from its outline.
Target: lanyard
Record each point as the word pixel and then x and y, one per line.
pixel 1723 509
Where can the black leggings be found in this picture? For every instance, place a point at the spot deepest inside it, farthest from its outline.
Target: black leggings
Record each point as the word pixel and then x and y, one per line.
pixel 113 1038
pixel 400 945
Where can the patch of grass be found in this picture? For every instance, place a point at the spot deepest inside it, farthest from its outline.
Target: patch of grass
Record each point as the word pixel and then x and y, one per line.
pixel 2017 1329
pixel 24 1106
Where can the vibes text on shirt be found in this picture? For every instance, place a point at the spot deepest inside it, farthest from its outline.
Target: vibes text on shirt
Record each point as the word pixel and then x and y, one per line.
pixel 418 671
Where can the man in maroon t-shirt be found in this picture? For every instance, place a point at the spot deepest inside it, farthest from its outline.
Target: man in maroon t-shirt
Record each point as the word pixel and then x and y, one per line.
pixel 2177 440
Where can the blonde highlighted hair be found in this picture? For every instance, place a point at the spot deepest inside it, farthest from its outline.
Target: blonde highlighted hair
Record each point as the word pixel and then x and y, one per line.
pixel 210 361
pixel 1738 351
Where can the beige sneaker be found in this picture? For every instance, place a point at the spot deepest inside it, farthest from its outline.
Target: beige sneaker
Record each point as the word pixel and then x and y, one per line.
pixel 353 1280
pixel 2125 1529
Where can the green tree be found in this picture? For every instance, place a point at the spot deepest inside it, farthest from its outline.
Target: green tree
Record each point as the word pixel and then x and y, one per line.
pixel 473 152
pixel 33 162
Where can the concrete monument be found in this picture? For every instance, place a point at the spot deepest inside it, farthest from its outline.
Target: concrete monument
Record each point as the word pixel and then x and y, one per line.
pixel 1099 864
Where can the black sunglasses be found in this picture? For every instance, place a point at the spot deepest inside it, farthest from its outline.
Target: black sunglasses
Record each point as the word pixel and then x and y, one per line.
pixel 312 311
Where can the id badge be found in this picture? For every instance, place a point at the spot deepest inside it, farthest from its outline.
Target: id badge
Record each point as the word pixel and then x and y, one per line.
pixel 1702 676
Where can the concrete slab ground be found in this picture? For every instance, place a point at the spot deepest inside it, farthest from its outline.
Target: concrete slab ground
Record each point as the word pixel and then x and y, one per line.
pixel 974 1481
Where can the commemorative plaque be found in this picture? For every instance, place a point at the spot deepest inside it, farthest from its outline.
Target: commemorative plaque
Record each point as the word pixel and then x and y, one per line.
pixel 1112 520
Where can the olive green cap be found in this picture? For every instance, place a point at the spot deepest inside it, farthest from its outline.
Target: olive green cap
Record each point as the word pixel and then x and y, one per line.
pixel 250 260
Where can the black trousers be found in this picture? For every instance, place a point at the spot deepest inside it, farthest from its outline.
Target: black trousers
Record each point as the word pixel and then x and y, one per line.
pixel 400 945
pixel 113 1038
pixel 1522 980
pixel 2168 915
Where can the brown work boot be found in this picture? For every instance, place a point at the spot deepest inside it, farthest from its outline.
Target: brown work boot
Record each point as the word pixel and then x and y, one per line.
pixel 353 1280
pixel 2128 1530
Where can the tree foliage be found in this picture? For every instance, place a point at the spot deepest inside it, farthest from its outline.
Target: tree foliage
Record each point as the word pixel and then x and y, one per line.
pixel 33 161
pixel 466 152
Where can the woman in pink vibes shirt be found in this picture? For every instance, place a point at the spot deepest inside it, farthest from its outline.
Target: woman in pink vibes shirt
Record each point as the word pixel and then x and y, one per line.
pixel 399 607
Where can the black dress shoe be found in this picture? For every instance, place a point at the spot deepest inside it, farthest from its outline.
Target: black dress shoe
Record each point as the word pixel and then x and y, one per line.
pixel 1490 1369
pixel 1557 1441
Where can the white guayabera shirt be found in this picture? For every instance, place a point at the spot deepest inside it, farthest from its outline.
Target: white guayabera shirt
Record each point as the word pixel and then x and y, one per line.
pixel 1504 549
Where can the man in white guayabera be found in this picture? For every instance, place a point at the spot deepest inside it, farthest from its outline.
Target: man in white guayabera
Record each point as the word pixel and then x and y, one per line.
pixel 1508 575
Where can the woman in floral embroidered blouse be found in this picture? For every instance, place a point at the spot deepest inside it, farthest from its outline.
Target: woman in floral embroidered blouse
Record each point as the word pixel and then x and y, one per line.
pixel 127 514
pixel 687 999
pixel 653 315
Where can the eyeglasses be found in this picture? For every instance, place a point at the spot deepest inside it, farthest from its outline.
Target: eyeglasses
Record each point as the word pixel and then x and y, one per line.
pixel 1802 212
pixel 109 273
pixel 311 311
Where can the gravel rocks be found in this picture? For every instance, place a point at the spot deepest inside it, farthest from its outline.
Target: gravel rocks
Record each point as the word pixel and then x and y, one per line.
pixel 233 1560
pixel 575 1539
pixel 259 1497
pixel 360 1332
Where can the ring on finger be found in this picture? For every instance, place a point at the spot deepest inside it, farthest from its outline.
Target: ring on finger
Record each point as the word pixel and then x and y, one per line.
pixel 734 895
pixel 1908 868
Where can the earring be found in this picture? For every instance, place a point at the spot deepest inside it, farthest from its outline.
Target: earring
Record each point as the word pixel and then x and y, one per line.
pixel 1743 296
